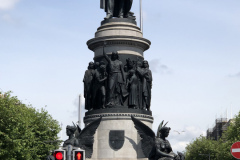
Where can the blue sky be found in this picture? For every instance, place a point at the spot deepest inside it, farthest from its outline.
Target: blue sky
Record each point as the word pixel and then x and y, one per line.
pixel 194 56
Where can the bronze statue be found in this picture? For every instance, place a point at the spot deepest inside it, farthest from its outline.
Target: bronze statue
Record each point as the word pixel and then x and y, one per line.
pixel 70 130
pixel 82 138
pixel 88 82
pixel 156 147
pixel 133 89
pixel 116 79
pixel 140 84
pixel 101 81
pixel 116 8
pixel 146 75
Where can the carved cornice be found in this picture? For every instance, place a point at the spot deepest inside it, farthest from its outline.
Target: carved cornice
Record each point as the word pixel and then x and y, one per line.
pixel 124 116
pixel 139 42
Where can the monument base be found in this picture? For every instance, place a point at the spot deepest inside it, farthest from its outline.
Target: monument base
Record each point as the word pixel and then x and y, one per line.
pixel 116 137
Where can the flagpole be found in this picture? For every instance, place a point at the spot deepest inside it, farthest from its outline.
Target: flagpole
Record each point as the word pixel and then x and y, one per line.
pixel 141 16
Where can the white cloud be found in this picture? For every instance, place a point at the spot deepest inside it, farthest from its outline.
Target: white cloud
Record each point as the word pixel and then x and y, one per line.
pixel 7 4
pixel 179 139
pixel 7 18
pixel 157 66
pixel 235 75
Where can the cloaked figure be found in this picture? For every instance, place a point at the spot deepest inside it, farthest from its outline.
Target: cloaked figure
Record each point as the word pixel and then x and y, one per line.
pixel 140 84
pixel 116 80
pixel 133 90
pixel 88 82
pixel 101 81
pixel 146 74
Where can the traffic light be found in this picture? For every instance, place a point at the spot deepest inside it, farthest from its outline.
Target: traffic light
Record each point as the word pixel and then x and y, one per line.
pixel 59 154
pixel 78 154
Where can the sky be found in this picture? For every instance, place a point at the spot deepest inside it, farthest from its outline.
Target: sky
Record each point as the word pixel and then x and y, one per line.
pixel 194 58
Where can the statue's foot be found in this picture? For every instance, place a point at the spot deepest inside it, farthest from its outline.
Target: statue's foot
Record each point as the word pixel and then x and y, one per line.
pixel 120 16
pixel 108 16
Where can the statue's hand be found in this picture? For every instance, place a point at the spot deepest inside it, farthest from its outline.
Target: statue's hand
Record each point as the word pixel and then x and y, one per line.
pixel 176 157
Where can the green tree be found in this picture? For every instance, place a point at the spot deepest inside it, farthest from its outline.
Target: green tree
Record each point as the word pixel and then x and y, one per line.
pixel 200 148
pixel 219 150
pixel 24 130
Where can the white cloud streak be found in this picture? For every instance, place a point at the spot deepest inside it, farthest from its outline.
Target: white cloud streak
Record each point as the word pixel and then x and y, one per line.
pixel 8 4
pixel 180 141
pixel 235 75
pixel 157 66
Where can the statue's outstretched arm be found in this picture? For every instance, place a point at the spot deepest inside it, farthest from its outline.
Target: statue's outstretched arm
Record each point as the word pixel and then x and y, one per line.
pixel 105 55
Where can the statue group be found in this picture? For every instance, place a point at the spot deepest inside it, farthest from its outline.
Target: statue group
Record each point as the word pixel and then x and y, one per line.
pixel 110 83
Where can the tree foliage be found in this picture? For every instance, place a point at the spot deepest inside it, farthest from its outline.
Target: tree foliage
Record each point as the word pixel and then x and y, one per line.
pixel 218 150
pixel 25 130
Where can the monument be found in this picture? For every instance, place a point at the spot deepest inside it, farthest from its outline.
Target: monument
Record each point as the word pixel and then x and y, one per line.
pixel 117 88
pixel 117 92
pixel 117 85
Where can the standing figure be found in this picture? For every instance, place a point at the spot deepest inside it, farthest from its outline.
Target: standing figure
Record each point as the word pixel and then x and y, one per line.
pixel 116 8
pixel 88 82
pixel 133 90
pixel 140 84
pixel 147 85
pixel 116 79
pixel 101 81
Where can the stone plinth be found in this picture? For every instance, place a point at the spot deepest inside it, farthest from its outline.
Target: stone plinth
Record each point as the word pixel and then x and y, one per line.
pixel 120 35
pixel 118 119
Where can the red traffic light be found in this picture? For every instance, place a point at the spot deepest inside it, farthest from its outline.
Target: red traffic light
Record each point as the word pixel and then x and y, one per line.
pixel 58 155
pixel 78 156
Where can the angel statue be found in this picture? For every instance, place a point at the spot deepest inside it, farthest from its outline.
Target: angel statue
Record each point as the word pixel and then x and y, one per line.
pixel 156 147
pixel 82 138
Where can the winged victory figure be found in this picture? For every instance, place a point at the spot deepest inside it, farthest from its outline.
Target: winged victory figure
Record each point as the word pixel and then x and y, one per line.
pixel 83 138
pixel 156 147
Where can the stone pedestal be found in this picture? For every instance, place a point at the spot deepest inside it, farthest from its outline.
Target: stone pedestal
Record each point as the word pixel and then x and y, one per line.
pixel 118 119
pixel 123 36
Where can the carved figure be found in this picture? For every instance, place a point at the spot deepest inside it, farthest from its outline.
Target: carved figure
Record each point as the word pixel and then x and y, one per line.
pixel 116 8
pixel 116 79
pixel 83 138
pixel 87 80
pixel 133 89
pixel 146 74
pixel 70 130
pixel 101 81
pixel 156 148
pixel 140 86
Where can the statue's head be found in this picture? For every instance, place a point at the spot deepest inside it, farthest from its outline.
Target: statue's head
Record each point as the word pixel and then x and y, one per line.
pixel 131 72
pixel 114 55
pixel 103 68
pixel 96 65
pixel 70 130
pixel 145 64
pixel 102 63
pixel 129 63
pixel 90 65
pixel 139 63
pixel 164 131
